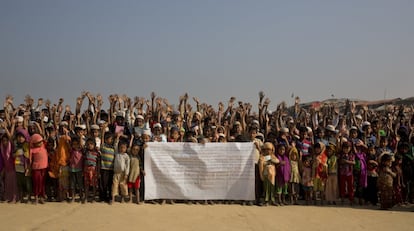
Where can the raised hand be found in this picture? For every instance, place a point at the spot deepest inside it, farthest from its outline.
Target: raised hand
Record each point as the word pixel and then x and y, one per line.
pixel 196 100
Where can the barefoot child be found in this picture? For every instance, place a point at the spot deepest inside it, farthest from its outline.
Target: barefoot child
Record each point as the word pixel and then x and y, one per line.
pixel 360 171
pixel 91 168
pixel 121 172
pixel 136 170
pixel 267 171
pixel 38 158
pixel 282 174
pixel 371 195
pixel 398 182
pixel 22 166
pixel 294 176
pixel 76 167
pixel 346 177
pixel 307 182
pixel 332 192
pixel 385 182
pixel 62 168
pixel 319 171
pixel 106 167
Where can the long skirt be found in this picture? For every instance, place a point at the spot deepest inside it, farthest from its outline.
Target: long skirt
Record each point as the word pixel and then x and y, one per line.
pixel 332 192
pixel 10 186
pixel 39 180
pixel 386 197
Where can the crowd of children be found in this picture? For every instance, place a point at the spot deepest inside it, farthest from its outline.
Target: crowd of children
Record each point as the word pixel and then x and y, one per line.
pixel 323 155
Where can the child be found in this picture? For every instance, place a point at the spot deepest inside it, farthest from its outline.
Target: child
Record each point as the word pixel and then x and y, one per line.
pixel 6 153
pixel 52 182
pixel 294 176
pixel 307 182
pixel 385 182
pixel 76 167
pixel 121 172
pixel 319 171
pixel 407 166
pixel 62 168
pixel 107 167
pixel 96 135
pixel 22 165
pixel 136 170
pixel 267 171
pixel 371 195
pixel 332 181
pixel 360 171
pixel 398 182
pixel 346 177
pixel 38 158
pixel 282 174
pixel 91 167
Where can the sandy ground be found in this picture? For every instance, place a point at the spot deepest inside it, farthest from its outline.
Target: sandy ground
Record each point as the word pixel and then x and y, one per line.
pixel 101 216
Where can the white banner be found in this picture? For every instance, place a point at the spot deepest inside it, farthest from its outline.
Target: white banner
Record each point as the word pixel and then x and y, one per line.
pixel 191 171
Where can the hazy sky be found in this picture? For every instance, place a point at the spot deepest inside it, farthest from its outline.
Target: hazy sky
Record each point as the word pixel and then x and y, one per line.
pixel 212 49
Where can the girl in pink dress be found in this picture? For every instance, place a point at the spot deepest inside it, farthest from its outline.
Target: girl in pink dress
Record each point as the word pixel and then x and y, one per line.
pixel 38 159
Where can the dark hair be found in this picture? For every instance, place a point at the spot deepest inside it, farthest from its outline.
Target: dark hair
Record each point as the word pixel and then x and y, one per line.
pixel 385 157
pixel 91 140
pixel 122 143
pixel 403 145
pixel 108 135
pixel 303 129
pixel 76 139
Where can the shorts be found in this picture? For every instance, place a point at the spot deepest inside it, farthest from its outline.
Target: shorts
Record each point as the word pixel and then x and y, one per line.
pixel 307 188
pixel 135 184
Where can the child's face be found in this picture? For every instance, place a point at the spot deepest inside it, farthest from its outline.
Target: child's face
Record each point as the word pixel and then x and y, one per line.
pixel 388 163
pixel 253 134
pixel 145 138
pixel 317 150
pixel 95 133
pixel 354 134
pixel 76 145
pixel 122 148
pixel 346 149
pixel 175 135
pixel 404 149
pixel 135 150
pixel 52 133
pixel 109 140
pixel 329 152
pixel 383 143
pixel 371 151
pixel 294 157
pixel 281 150
pixel 20 139
pixel 90 146
pixel 4 140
